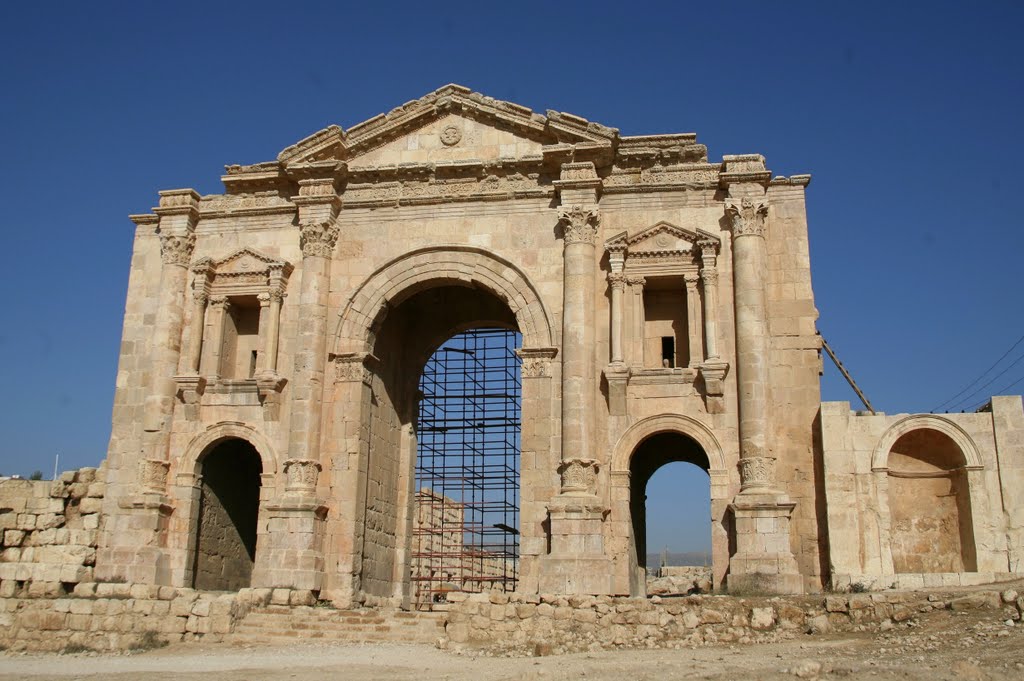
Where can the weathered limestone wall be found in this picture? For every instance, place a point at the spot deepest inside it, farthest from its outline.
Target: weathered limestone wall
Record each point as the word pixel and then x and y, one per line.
pixel 888 482
pixel 49 532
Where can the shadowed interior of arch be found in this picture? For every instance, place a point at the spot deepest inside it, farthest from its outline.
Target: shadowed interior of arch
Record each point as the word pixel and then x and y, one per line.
pixel 683 523
pixel 227 520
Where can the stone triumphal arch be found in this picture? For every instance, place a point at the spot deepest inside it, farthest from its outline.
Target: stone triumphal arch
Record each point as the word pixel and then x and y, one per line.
pixel 265 427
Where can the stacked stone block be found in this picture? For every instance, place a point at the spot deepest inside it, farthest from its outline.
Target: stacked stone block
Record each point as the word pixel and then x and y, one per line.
pixel 49 532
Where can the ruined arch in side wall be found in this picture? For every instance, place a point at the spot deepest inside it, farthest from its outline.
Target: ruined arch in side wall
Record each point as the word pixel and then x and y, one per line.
pixel 927 474
pixel 481 289
pixel 621 465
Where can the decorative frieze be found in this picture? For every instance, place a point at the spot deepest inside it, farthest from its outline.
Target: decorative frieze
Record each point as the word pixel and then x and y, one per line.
pixel 757 472
pixel 580 224
pixel 301 475
pixel 747 216
pixel 579 476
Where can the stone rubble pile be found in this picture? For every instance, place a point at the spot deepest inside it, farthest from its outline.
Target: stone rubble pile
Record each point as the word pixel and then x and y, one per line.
pixel 48 533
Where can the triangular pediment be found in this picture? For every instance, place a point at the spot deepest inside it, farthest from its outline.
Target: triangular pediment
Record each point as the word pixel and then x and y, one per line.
pixel 452 123
pixel 247 261
pixel 663 237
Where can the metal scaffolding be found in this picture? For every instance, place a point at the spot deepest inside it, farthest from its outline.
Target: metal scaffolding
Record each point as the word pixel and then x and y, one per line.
pixel 466 527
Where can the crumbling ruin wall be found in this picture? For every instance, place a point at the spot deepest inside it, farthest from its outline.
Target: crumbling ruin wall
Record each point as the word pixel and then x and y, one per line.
pixel 49 532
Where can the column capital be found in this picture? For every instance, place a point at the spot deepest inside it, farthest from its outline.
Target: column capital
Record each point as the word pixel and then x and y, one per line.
pixel 708 248
pixel 201 296
pixel 318 238
pixel 691 279
pixel 264 299
pixel 176 249
pixel 536 362
pixel 580 223
pixel 617 280
pixel 276 293
pixel 220 301
pixel 709 275
pixel 635 280
pixel 747 216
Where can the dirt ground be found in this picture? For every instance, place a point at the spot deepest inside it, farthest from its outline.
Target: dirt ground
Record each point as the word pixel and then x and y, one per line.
pixel 936 646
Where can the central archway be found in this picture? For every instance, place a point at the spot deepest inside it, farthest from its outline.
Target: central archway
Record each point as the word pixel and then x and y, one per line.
pixel 400 316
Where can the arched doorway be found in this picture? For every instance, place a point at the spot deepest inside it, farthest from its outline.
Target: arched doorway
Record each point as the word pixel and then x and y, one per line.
pixel 434 498
pixel 228 514
pixel 652 454
pixel 932 528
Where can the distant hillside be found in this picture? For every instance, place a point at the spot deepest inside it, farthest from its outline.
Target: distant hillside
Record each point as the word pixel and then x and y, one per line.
pixel 684 558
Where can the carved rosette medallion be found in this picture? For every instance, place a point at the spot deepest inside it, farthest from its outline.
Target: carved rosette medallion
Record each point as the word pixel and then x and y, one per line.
pixel 579 476
pixel 153 475
pixel 301 475
pixel 318 238
pixel 617 280
pixel 451 136
pixel 176 249
pixel 757 472
pixel 580 224
pixel 747 216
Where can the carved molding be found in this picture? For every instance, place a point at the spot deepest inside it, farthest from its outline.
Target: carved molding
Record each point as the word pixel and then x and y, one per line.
pixel 757 472
pixel 318 238
pixel 176 249
pixel 353 366
pixel 579 475
pixel 536 362
pixel 580 224
pixel 301 475
pixel 747 216
pixel 153 475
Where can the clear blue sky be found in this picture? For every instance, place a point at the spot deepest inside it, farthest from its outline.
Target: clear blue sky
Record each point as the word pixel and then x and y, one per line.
pixel 907 114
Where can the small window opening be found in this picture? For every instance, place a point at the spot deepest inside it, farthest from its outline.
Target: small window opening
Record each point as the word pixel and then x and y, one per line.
pixel 668 351
pixel 252 364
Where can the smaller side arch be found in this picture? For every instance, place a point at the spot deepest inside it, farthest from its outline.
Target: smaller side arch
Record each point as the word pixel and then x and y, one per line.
pixel 189 459
pixel 880 457
pixel 661 423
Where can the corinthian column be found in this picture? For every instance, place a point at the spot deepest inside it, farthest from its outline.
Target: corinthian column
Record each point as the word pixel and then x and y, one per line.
pixel 318 211
pixel 578 331
pixel 179 212
pixel 747 216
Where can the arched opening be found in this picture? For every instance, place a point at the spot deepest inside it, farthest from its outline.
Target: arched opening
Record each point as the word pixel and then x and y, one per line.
pixel 466 527
pixel 228 512
pixel 442 495
pixel 930 504
pixel 675 527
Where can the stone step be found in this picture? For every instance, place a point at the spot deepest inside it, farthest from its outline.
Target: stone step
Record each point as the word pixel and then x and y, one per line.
pixel 282 624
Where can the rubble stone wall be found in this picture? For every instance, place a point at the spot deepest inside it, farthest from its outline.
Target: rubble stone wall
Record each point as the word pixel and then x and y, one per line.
pixel 551 624
pixel 48 532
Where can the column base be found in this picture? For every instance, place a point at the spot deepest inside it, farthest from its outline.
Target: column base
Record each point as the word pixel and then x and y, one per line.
pixel 577 563
pixel 293 557
pixel 764 561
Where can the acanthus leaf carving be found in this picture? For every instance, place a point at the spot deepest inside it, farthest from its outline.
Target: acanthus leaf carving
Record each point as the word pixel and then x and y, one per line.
pixel 747 216
pixel 301 475
pixel 757 472
pixel 318 238
pixel 176 249
pixel 579 476
pixel 580 224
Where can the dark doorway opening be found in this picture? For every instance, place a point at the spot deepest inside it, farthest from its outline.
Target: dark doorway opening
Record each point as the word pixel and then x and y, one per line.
pixel 228 512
